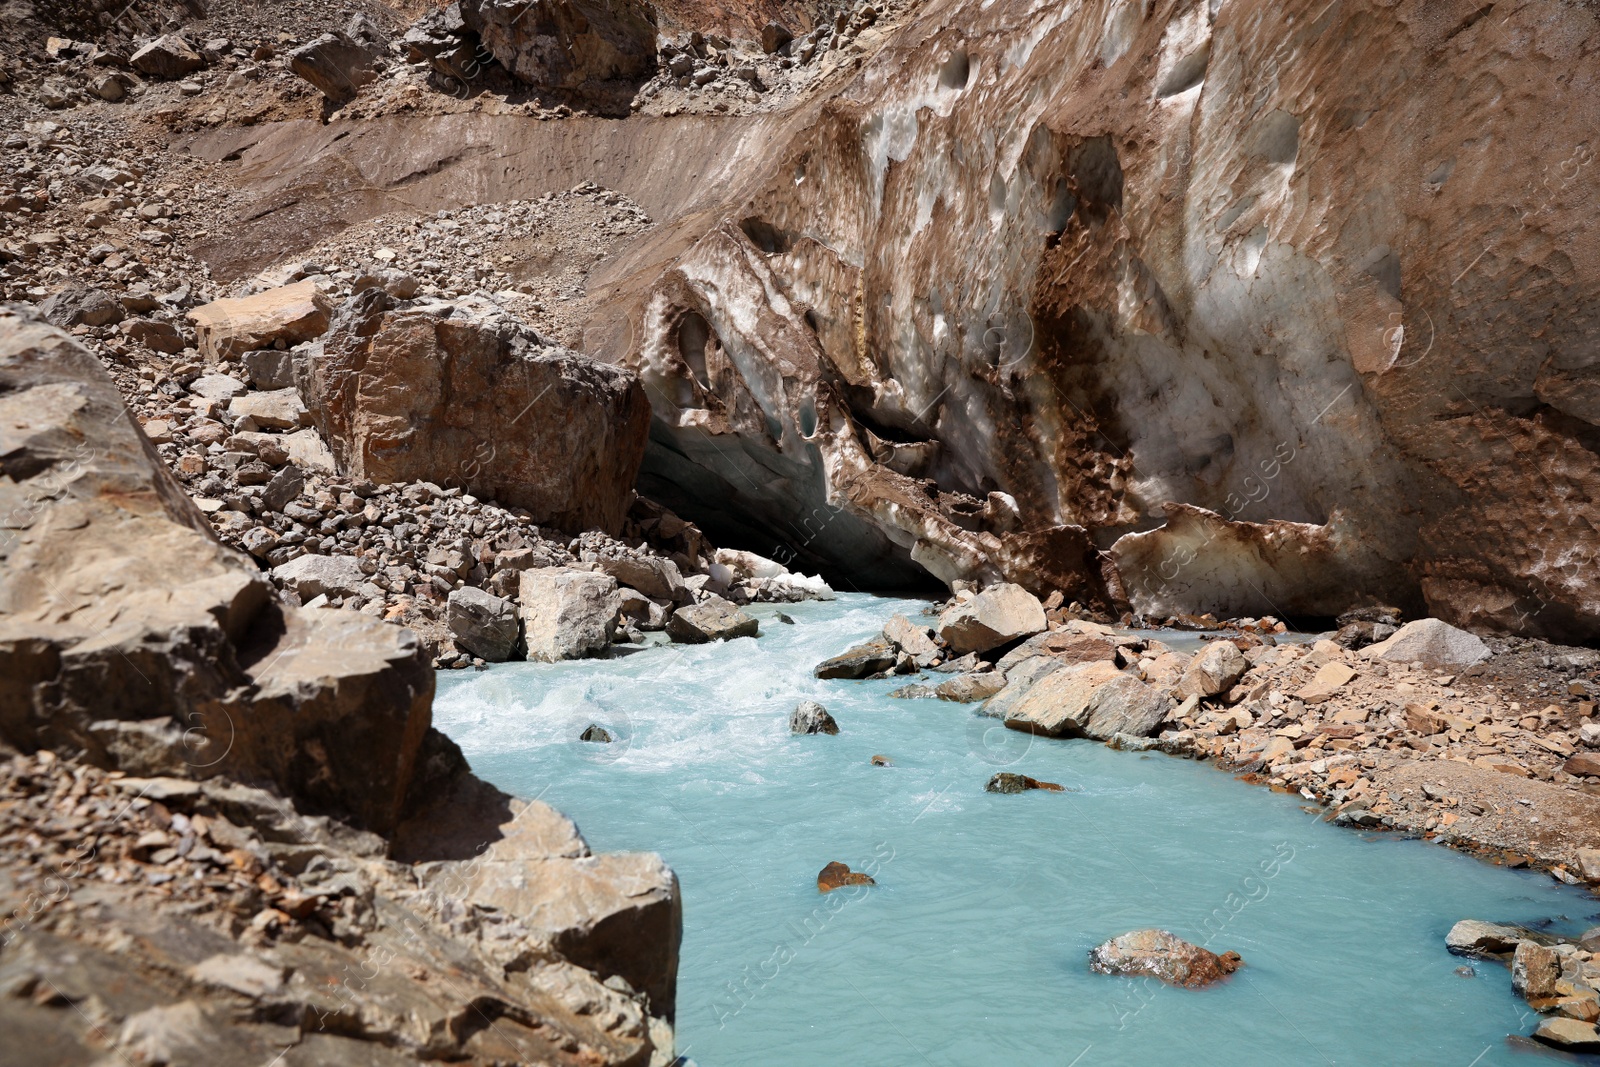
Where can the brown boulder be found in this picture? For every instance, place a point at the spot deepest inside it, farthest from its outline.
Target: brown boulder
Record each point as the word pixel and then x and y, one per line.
pixel 1584 765
pixel 997 616
pixel 463 393
pixel 227 329
pixel 131 637
pixel 567 44
pixel 837 875
pixel 1007 782
pixel 1158 954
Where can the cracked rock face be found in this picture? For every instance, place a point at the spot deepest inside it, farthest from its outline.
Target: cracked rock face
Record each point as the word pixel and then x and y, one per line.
pixel 1043 268
pixel 458 391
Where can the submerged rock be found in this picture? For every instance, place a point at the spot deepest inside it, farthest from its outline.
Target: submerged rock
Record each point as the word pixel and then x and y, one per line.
pixel 1158 954
pixel 711 620
pixel 1007 782
pixel 812 718
pixel 882 761
pixel 596 733
pixel 836 875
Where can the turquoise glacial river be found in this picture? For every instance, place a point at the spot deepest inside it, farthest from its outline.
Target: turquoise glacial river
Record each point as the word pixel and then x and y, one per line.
pixel 971 950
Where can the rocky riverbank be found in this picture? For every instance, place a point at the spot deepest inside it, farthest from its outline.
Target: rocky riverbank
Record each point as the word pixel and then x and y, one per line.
pixel 1491 747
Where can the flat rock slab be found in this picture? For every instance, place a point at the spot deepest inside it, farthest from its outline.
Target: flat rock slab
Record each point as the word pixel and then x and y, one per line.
pixel 1329 679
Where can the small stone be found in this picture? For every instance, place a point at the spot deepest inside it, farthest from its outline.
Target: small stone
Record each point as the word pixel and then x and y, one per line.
pixel 596 733
pixel 1007 782
pixel 881 761
pixel 837 875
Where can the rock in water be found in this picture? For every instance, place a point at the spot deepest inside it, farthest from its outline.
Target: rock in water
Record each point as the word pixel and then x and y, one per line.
pixel 997 616
pixel 862 661
pixel 445 390
pixel 1433 643
pixel 882 761
pixel 482 623
pixel 1472 937
pixel 1158 954
pixel 596 733
pixel 1570 1035
pixel 811 718
pixel 1006 782
pixel 567 614
pixel 711 620
pixel 837 875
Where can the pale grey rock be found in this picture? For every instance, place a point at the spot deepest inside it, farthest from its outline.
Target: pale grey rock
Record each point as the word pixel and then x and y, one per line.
pixel 1213 672
pixel 812 718
pixel 1433 643
pixel 714 619
pixel 312 576
pixel 566 614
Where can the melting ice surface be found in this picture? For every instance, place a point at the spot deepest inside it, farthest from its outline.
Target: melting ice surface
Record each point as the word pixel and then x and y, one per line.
pixel 972 949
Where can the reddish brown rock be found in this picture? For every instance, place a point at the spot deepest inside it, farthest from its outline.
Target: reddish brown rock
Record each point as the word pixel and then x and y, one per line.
pixel 461 393
pixel 1158 954
pixel 836 875
pixel 1584 764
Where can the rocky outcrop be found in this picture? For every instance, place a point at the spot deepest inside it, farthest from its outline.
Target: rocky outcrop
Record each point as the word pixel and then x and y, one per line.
pixel 1158 954
pixel 461 392
pixel 1154 312
pixel 587 46
pixel 278 778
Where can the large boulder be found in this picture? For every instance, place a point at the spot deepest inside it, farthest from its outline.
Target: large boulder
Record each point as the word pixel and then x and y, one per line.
pixel 1158 954
pixel 809 717
pixel 482 623
pixel 713 619
pixel 337 64
pixel 619 914
pixel 311 576
pixel 997 616
pixel 651 575
pixel 567 44
pixel 567 614
pixel 464 393
pixel 130 637
pixel 168 58
pixel 861 661
pixel 1088 700
pixel 1433 643
pixel 227 329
